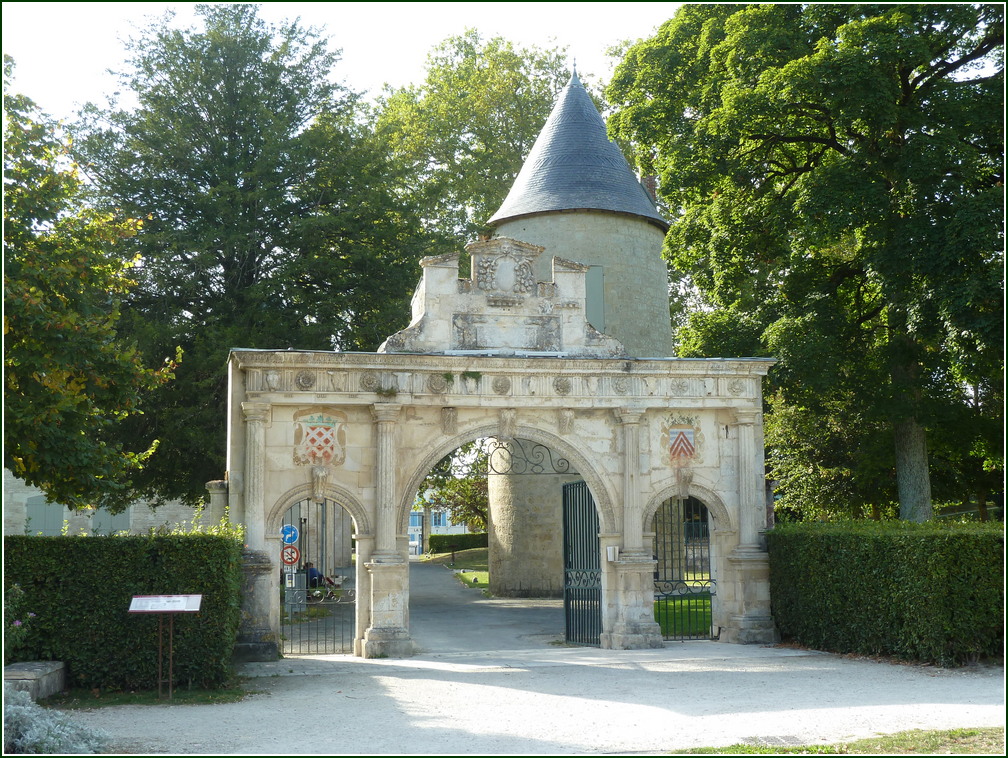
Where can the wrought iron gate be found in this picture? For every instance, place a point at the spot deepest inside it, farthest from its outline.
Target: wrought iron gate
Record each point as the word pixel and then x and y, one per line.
pixel 582 570
pixel 684 588
pixel 317 613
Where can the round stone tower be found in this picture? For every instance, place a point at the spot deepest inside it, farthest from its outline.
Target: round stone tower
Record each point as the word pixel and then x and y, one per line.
pixel 578 198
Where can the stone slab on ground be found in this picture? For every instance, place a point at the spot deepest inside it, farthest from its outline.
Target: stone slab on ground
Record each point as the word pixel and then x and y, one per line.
pixel 40 679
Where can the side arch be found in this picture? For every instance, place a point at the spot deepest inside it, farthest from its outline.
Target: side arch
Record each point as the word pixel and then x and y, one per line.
pixel 597 484
pixel 362 524
pixel 715 506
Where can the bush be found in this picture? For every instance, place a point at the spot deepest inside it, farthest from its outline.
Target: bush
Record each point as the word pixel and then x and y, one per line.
pixel 80 590
pixel 443 543
pixel 30 728
pixel 17 622
pixel 929 592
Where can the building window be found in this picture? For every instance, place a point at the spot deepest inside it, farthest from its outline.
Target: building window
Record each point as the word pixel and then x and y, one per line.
pixel 416 518
pixel 438 518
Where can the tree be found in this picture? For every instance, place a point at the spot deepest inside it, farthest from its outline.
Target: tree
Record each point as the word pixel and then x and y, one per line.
pixel 459 483
pixel 835 173
pixel 466 131
pixel 269 216
pixel 69 379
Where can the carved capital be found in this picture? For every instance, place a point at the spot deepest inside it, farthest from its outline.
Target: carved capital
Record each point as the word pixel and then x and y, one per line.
pixel 256 411
pixel 628 415
pixel 385 412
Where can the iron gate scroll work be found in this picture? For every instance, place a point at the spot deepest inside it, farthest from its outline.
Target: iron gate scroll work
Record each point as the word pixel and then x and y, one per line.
pixel 684 587
pixel 317 613
pixel 582 567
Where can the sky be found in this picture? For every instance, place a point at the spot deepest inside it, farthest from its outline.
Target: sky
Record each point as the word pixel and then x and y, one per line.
pixel 62 51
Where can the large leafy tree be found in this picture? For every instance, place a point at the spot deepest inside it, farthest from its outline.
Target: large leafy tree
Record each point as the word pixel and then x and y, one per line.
pixel 466 130
pixel 69 379
pixel 270 214
pixel 835 178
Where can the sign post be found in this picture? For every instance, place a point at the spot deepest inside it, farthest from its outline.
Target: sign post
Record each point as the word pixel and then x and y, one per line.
pixel 165 605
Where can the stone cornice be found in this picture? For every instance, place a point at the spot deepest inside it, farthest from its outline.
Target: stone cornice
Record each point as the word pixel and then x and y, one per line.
pixel 286 377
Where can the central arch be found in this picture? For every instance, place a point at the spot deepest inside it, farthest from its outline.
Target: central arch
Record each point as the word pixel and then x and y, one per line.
pixel 597 483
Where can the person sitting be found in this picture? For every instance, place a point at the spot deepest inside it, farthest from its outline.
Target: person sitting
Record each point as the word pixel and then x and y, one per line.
pixel 315 577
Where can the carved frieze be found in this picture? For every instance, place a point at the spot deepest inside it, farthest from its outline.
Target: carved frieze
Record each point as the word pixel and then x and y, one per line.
pixel 304 380
pixel 562 385
pixel 369 382
pixel 501 385
pixel 565 421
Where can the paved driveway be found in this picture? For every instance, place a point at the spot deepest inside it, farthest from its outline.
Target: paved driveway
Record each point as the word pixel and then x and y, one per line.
pixel 491 680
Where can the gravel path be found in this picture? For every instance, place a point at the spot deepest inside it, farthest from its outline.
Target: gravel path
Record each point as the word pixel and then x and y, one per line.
pixel 489 681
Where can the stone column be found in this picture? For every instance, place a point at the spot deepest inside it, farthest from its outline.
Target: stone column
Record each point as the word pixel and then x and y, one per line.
pixel 217 508
pixel 752 622
pixel 256 417
pixel 632 576
pixel 388 635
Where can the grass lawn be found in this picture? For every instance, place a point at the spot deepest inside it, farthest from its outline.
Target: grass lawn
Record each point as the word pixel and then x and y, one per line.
pixel 473 560
pixel 980 741
pixel 686 616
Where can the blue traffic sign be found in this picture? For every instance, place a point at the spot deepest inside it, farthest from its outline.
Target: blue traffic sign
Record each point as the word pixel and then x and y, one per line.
pixel 289 534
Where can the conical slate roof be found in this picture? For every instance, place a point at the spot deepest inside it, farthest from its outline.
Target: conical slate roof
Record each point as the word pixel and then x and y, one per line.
pixel 574 166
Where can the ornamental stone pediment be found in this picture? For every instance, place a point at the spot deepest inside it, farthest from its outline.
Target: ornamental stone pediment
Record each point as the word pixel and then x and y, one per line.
pixel 501 309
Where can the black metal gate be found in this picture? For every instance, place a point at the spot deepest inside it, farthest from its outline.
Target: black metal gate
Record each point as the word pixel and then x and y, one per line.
pixel 582 570
pixel 684 587
pixel 317 589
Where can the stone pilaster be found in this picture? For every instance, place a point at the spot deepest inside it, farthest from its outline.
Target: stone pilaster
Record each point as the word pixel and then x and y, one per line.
pixel 630 580
pixel 256 417
pixel 749 562
pixel 387 635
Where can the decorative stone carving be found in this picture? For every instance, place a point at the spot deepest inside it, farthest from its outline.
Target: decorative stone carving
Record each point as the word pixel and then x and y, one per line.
pixel 369 382
pixel 437 383
pixel 621 385
pixel 304 380
pixel 678 387
pixel 319 481
pixel 319 437
pixel 562 385
pixel 449 421
pixel 682 441
pixel 736 387
pixel 501 385
pixel 273 380
pixel 508 423
pixel 565 421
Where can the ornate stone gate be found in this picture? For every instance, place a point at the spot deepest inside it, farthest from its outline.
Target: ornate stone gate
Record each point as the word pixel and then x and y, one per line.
pixel 480 359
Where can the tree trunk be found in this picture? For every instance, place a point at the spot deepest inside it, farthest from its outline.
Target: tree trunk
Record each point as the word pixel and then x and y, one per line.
pixel 982 505
pixel 913 481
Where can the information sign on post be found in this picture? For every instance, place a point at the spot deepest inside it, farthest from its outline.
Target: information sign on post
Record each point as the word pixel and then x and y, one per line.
pixel 289 534
pixel 166 605
pixel 290 555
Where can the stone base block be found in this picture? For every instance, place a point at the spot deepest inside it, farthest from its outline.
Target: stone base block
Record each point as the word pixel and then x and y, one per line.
pixel 387 642
pixel 40 679
pixel 751 630
pixel 632 637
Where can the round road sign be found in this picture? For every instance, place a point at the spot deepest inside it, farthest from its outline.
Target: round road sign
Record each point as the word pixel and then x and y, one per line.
pixel 289 534
pixel 290 555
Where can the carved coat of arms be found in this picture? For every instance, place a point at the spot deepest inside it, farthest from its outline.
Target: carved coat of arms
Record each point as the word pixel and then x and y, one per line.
pixel 319 438
pixel 682 440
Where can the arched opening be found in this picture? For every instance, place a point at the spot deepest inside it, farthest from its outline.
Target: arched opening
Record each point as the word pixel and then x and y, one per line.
pixel 523 587
pixel 685 586
pixel 318 578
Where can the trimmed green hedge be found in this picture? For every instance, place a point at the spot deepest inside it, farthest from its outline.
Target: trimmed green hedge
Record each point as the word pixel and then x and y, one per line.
pixel 927 592
pixel 80 588
pixel 442 543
